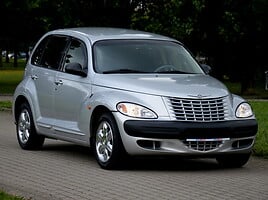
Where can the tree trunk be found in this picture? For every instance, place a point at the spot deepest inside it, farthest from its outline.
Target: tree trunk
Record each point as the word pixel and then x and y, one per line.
pixel 7 58
pixel 15 58
pixel 1 58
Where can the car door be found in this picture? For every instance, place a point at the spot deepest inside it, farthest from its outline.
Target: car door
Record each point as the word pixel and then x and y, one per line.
pixel 71 93
pixel 45 63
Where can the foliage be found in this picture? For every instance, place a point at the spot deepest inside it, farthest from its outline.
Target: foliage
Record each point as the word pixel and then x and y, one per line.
pixel 174 18
pixel 261 111
pixel 231 34
pixel 5 196
pixel 22 15
pixel 25 21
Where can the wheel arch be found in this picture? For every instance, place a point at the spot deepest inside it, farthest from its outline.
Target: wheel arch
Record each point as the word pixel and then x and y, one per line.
pixel 98 111
pixel 115 156
pixel 18 102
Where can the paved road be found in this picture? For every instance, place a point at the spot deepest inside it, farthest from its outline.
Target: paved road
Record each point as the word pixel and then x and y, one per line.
pixel 66 171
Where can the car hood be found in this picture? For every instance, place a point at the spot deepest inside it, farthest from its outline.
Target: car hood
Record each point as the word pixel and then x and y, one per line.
pixel 179 85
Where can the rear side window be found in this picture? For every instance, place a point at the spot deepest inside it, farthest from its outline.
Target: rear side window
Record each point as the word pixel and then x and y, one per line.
pixel 50 51
pixel 37 54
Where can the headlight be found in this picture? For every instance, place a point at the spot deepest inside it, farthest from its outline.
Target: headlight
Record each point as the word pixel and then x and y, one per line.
pixel 134 110
pixel 243 110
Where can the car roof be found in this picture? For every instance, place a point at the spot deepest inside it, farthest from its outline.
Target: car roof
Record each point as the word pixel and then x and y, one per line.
pixel 105 33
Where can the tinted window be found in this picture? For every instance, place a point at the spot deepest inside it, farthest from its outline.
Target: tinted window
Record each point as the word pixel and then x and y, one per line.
pixel 37 54
pixel 50 51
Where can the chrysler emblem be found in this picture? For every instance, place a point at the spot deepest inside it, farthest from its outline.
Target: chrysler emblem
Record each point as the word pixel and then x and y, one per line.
pixel 199 96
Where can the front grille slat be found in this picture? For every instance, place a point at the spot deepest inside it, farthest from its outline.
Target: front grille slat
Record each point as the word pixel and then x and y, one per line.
pixel 203 145
pixel 198 109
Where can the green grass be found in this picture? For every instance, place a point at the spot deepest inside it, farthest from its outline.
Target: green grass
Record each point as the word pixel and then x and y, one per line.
pixel 9 79
pixel 10 76
pixel 5 196
pixel 10 64
pixel 261 111
pixel 5 105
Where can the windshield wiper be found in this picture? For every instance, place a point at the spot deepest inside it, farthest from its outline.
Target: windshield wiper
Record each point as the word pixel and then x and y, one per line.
pixel 121 71
pixel 172 72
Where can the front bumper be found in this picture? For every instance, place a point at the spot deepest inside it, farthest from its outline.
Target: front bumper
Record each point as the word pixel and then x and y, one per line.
pixel 183 130
pixel 190 138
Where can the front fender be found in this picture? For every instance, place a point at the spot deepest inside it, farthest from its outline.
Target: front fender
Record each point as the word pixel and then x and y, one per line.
pixel 109 98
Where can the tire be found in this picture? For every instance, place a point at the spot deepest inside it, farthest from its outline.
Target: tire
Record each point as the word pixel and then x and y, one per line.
pixel 26 134
pixel 233 161
pixel 108 147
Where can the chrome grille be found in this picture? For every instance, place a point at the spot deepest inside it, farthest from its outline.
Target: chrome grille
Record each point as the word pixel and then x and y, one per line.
pixel 203 145
pixel 198 109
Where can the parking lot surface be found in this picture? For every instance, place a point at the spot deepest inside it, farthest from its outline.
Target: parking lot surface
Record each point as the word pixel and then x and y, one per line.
pixel 65 171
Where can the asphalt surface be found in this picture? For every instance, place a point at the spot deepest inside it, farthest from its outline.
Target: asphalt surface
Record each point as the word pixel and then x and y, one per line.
pixel 65 171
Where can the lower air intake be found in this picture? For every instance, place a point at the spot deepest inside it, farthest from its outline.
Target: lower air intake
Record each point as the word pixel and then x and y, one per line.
pixel 204 144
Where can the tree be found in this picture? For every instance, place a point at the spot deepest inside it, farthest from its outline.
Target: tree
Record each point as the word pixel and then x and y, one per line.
pixel 27 20
pixel 18 31
pixel 174 18
pixel 260 8
pixel 231 33
pixel 195 23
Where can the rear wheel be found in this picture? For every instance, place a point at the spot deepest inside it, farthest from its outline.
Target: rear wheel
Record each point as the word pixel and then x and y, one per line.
pixel 108 147
pixel 233 161
pixel 26 133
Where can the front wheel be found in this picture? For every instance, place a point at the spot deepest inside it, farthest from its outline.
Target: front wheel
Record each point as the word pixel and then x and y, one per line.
pixel 234 160
pixel 108 147
pixel 26 133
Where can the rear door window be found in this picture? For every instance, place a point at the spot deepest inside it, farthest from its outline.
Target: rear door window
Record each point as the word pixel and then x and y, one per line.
pixel 50 51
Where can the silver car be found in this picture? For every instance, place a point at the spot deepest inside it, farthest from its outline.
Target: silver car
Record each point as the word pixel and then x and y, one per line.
pixel 125 92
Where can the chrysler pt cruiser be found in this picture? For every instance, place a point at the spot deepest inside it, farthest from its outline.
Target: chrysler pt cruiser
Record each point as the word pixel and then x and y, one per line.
pixel 124 92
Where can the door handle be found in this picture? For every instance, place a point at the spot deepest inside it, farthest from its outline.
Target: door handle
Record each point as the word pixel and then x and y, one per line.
pixel 59 82
pixel 34 77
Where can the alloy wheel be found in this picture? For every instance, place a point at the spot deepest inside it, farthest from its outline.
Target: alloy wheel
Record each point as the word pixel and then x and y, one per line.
pixel 104 141
pixel 24 126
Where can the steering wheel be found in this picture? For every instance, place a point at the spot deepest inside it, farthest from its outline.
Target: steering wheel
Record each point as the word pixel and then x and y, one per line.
pixel 165 68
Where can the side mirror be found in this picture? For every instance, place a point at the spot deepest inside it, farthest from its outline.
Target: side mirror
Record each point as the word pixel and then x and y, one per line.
pixel 76 69
pixel 206 68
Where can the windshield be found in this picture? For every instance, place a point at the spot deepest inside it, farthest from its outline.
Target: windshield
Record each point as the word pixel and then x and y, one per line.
pixel 143 56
